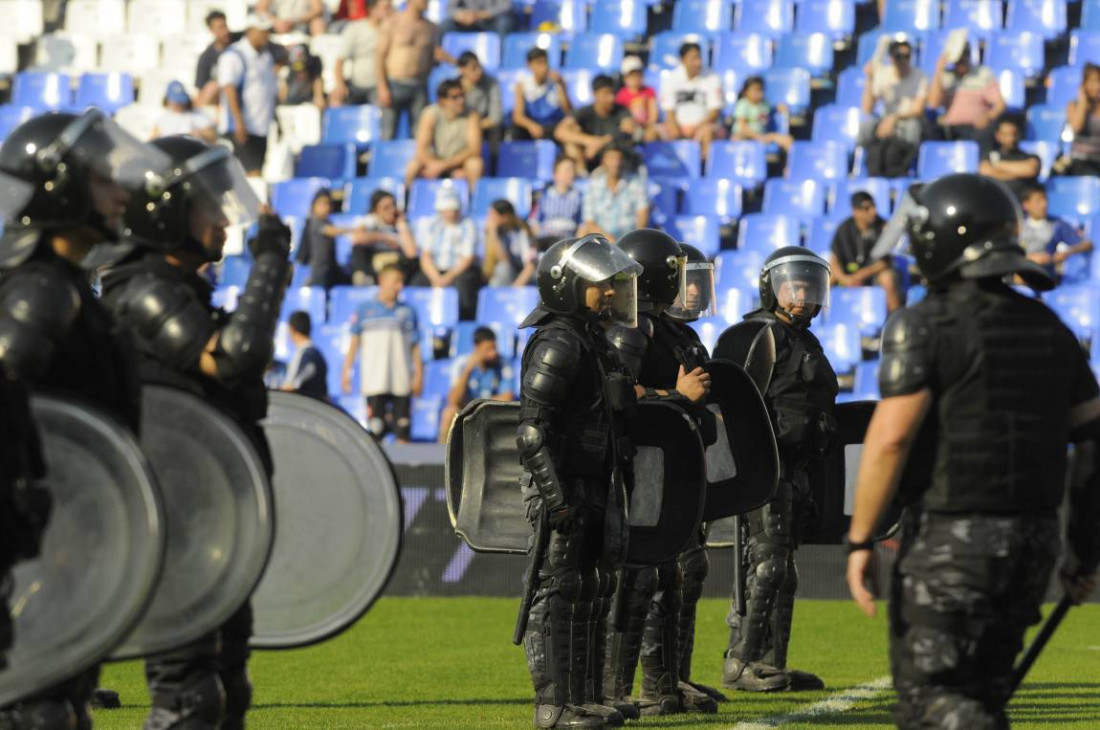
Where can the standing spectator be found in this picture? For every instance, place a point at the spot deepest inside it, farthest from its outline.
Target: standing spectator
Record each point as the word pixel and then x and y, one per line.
pixel 307 372
pixel 1083 117
pixel 558 213
pixel 484 374
pixel 752 115
pixel 179 117
pixel 971 96
pixel 510 254
pixel 383 239
pixel 1005 161
pixel 639 99
pixel 595 126
pixel 349 11
pixel 540 99
pixel 475 16
pixel 615 202
pixel 317 249
pixel 359 45
pixel 691 99
pixel 287 16
pixel 448 250
pixel 386 333
pixel 302 83
pixel 246 72
pixel 482 96
pixel 205 70
pixel 902 90
pixel 448 139
pixel 1047 241
pixel 408 46
pixel 850 259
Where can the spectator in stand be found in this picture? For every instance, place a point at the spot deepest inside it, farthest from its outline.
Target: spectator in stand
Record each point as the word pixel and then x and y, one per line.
pixel 1083 116
pixel 246 72
pixel 902 90
pixel 1048 241
pixel 691 98
pixel 288 16
pixel 408 47
pixel 510 252
pixel 317 249
pixel 482 96
pixel 385 332
pixel 302 82
pixel 448 252
pixel 1005 161
pixel 179 117
pixel 448 139
pixel 850 258
pixel 307 372
pixel 971 96
pixel 639 99
pixel 540 99
pixel 206 69
pixel 359 45
pixel 477 16
pixel 615 202
pixel 752 115
pixel 349 11
pixel 595 126
pixel 558 212
pixel 484 374
pixel 384 239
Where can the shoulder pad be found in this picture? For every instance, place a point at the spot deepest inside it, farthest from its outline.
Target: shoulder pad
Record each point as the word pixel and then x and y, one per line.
pixel 37 307
pixel 906 353
pixel 631 344
pixel 172 324
pixel 550 364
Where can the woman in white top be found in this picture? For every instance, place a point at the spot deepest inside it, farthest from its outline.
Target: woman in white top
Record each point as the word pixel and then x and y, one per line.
pixel 179 117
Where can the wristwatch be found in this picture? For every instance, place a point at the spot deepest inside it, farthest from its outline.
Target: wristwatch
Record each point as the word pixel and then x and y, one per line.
pixel 853 547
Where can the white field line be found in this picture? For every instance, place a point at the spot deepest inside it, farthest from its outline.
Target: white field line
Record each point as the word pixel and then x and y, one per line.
pixel 832 705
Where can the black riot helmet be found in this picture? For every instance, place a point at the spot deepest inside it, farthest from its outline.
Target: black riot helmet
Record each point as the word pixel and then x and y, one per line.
pixel 202 186
pixel 572 264
pixel 968 226
pixel 698 298
pixel 793 275
pixel 662 260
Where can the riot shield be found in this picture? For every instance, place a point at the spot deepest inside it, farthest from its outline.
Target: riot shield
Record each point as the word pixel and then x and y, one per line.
pixel 743 463
pixel 101 553
pixel 340 523
pixel 220 525
pixel 750 344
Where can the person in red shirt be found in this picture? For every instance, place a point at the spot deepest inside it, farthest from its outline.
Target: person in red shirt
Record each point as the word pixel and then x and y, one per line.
pixel 351 10
pixel 640 99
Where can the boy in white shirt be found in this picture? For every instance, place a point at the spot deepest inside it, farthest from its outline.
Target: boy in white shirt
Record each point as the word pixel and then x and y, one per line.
pixel 691 99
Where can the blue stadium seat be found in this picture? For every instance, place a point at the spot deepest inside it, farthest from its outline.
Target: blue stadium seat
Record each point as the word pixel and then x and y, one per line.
pixel 813 51
pixel 868 42
pixel 301 275
pixel 665 53
pixel 310 299
pixel 344 300
pixel 506 79
pixel 911 16
pixel 423 193
pixel 43 90
pixel 772 18
pixel 358 125
pixel 332 341
pixel 595 52
pixel 742 52
pixel 981 16
pixel 578 85
pixel 1084 45
pixel 434 306
pixel 767 232
pixel 1090 15
pixel 1074 197
pixel 439 74
pixel 352 404
pixel 931 48
pixel 516 190
pixel 841 343
pixel 836 18
pixel 794 197
pixel 621 17
pixel 740 268
pixel 718 198
pixel 234 271
pixel 735 302
pixel 701 231
pixel 486 46
pixel 359 191
pixel 709 330
pixel 516 46
pixel 817 161
pixel 863 307
pixel 11 116
pixel 664 199
pixel 506 305
pixel 425 413
pixel 336 162
pixel 790 86
pixel 1062 85
pixel 849 87
pixel 527 159
pixel 681 158
pixel 916 294
pixel 1011 83
pixel 1078 306
pixel 944 158
pixel 1021 50
pixel 702 16
pixel 877 187
pixel 835 123
pixel 295 197
pixel 1046 122
pixel 107 91
pixel 822 231
pixel 744 161
pixel 571 16
pixel 865 386
pixel 1046 17
pixel 389 159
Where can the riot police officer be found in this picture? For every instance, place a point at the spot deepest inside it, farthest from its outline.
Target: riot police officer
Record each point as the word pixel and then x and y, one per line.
pixel 64 194
pixel 174 226
pixel 982 387
pixel 574 400
pixel 794 287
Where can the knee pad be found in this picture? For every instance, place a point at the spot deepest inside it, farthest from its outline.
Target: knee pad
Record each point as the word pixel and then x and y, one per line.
pixel 568 583
pixel 771 573
pixel 641 579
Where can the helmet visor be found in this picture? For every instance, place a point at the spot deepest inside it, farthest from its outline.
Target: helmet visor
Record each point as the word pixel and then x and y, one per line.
pixel 217 186
pixel 594 259
pixel 95 141
pixel 624 305
pixel 14 196
pixel 697 298
pixel 800 283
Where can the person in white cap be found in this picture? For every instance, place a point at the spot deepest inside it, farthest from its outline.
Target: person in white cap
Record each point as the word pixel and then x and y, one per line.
pixel 448 251
pixel 250 88
pixel 639 98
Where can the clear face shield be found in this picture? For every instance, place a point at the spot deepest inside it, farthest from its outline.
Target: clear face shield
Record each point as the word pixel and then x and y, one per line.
pixel 800 286
pixel 14 196
pixel 697 296
pixel 95 141
pixel 595 261
pixel 217 187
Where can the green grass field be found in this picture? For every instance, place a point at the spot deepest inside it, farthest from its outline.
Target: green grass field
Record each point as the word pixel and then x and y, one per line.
pixel 449 663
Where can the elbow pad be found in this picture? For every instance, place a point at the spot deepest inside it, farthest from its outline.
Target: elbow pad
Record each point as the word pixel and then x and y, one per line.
pixel 35 315
pixel 247 343
pixel 906 354
pixel 535 455
pixel 169 320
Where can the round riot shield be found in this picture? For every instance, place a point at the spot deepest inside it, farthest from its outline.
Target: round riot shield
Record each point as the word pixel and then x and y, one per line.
pixel 340 524
pixel 101 553
pixel 220 526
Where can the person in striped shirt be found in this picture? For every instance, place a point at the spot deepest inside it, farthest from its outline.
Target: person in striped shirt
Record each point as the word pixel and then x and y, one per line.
pixel 557 214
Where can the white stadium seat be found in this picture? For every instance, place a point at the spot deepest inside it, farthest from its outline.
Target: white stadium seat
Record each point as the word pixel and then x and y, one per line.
pixel 9 55
pixel 180 54
pixel 162 18
pixel 137 119
pixel 235 13
pixel 95 17
pixel 64 52
pixel 327 48
pixel 22 18
pixel 301 125
pixel 134 53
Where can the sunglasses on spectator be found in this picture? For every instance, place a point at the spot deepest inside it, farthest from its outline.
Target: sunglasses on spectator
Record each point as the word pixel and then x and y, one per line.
pixel 458 95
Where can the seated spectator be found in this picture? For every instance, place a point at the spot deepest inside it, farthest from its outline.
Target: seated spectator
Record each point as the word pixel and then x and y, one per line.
pixel 1005 161
pixel 691 98
pixel 557 214
pixel 382 239
pixel 1048 241
pixel 360 41
pixel 892 139
pixel 448 139
pixel 206 80
pixel 615 202
pixel 752 115
pixel 288 16
pixel 317 248
pixel 510 254
pixel 595 126
pixel 179 117
pixel 476 16
pixel 385 331
pixel 540 99
pixel 301 82
pixel 852 244
pixel 484 375
pixel 307 372
pixel 482 96
pixel 408 46
pixel 1083 117
pixel 971 96
pixel 448 250
pixel 639 99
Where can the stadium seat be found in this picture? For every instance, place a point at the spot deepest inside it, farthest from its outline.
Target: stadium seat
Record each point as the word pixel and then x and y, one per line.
pixel 95 17
pixel 22 19
pixel 772 18
pixel 1084 45
pixel 862 307
pixel 423 193
pixel 735 302
pixel 439 74
pixel 344 300
pixel 742 52
pixel 1062 85
pixel 359 191
pixel 425 413
pixel 1011 83
pixel 1021 50
pixel 849 88
pixel 931 48
pixel 234 271
pixel 527 159
pixel 944 158
pixel 841 343
pixel 434 306
pixel 1074 197
pixel 310 299
pixel 817 161
pixel 822 231
pixel 868 44
pixel 681 158
pixel 709 330
pixel 506 79
pixel 295 197
pixel 389 159
pixel 813 51
pixel 981 16
pixel 744 161
pixel 505 305
pixel 718 198
pixel 835 18
pixel 877 187
pixel 702 16
pixel 865 385
pixel 790 86
pixel 568 16
pixel 42 90
pixel 358 125
pixel 701 231
pixel 578 85
pixel 162 18
pixel 665 52
pixel 333 161
pixel 794 197
pixel 1090 15
pixel 107 91
pixel 11 116
pixel 486 46
pixel 225 297
pixel 332 341
pixel 129 53
pixel 838 124
pixel 516 46
pixel 1078 306
pixel 626 18
pixel 767 231
pixel 1045 122
pixel 1046 17
pixel 516 190
pixel 911 16
pixel 595 52
pixel 740 268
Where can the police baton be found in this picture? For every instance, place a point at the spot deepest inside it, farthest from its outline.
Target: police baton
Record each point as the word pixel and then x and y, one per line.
pixel 1039 643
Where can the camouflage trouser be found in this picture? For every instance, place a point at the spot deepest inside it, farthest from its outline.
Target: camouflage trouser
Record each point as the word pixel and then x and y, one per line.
pixel 965 589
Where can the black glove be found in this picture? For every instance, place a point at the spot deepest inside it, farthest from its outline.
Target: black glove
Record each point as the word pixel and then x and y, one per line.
pixel 562 516
pixel 273 237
